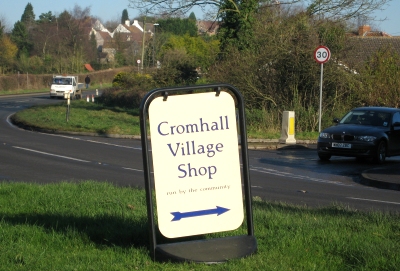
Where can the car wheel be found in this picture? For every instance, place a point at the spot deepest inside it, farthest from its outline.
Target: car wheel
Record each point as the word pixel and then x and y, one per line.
pixel 380 155
pixel 324 157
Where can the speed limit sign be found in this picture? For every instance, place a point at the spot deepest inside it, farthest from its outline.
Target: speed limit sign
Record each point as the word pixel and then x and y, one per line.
pixel 322 54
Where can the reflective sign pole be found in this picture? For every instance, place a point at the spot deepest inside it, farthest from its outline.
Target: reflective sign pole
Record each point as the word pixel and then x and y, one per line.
pixel 321 55
pixel 320 98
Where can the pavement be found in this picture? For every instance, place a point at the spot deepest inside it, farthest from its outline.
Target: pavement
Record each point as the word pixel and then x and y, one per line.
pixel 386 176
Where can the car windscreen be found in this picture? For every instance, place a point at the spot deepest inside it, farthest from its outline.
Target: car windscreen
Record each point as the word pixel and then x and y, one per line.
pixel 62 81
pixel 366 117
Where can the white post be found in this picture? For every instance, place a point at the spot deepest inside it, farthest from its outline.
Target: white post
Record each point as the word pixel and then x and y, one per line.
pixel 287 132
pixel 320 98
pixel 68 97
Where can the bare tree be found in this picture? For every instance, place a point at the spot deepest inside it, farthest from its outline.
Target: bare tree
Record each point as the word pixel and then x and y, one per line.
pixel 5 24
pixel 346 9
pixel 179 7
pixel 338 9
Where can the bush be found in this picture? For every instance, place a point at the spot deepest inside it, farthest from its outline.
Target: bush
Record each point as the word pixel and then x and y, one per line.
pixel 128 90
pixel 115 97
pixel 129 80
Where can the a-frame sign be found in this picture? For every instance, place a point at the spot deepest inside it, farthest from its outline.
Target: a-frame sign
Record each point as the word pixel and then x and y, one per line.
pixel 192 159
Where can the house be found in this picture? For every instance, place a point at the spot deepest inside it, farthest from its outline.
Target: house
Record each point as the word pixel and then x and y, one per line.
pixel 129 36
pixel 125 36
pixel 101 33
pixel 207 27
pixel 364 43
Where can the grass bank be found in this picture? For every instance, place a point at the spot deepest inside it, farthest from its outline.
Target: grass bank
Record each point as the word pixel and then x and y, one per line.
pixel 95 118
pixel 98 226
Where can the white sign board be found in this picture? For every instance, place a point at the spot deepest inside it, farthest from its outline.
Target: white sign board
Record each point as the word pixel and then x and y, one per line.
pixel 196 164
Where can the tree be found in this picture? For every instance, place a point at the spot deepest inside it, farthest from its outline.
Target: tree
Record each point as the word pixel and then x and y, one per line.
pixel 47 17
pixel 1 30
pixel 192 16
pixel 28 17
pixel 280 73
pixel 178 26
pixel 19 36
pixel 201 53
pixel 345 9
pixel 124 16
pixel 74 40
pixel 381 79
pixel 339 9
pixel 45 39
pixel 237 20
pixel 7 53
pixel 237 16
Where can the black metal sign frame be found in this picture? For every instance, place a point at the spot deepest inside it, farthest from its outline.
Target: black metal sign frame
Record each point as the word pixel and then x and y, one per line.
pixel 205 250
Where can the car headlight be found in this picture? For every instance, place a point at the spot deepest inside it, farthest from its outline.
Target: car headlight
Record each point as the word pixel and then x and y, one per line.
pixel 324 135
pixel 366 138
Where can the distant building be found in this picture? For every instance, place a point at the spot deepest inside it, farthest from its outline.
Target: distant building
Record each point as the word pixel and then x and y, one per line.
pixel 207 27
pixel 129 36
pixel 125 36
pixel 362 44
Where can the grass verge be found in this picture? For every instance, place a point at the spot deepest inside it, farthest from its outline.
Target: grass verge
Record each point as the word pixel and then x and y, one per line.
pixel 83 117
pixel 98 226
pixel 95 118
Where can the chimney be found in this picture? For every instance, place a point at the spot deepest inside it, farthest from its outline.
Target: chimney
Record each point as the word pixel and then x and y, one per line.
pixel 363 30
pixel 127 22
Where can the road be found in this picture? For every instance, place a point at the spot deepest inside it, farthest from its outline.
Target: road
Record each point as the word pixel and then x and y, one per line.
pixel 290 175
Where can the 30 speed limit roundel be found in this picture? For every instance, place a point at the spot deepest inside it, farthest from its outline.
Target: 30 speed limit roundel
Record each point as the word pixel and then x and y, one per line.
pixel 322 54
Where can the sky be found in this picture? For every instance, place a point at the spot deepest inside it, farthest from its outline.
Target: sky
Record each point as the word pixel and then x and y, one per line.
pixel 106 10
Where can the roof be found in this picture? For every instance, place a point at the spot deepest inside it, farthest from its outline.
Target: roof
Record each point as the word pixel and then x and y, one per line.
pixel 379 108
pixel 89 67
pixel 360 49
pixel 104 35
pixel 207 26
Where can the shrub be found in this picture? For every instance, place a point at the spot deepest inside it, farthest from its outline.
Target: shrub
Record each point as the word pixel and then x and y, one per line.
pixel 128 90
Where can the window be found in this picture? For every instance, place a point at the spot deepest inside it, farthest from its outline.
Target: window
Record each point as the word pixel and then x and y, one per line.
pixel 396 117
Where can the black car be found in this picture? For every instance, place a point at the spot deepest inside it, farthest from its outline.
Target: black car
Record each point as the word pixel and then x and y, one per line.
pixel 364 132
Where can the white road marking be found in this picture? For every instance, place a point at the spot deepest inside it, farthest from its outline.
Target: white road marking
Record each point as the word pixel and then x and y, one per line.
pixel 75 138
pixel 374 200
pixel 50 154
pixel 134 169
pixel 294 176
pixel 115 145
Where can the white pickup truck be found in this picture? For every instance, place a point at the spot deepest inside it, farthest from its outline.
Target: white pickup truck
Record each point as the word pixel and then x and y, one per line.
pixel 63 84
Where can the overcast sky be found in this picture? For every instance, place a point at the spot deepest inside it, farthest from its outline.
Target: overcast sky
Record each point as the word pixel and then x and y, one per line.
pixel 11 11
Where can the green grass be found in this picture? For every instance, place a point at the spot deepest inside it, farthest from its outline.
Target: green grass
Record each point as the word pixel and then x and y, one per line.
pixel 95 118
pixel 98 226
pixel 83 117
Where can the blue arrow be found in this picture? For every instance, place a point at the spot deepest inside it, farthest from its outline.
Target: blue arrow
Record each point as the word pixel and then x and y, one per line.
pixel 218 210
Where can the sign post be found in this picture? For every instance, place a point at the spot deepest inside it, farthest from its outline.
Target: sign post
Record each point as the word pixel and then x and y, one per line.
pixel 138 64
pixel 196 169
pixel 321 55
